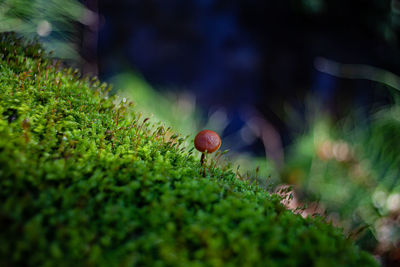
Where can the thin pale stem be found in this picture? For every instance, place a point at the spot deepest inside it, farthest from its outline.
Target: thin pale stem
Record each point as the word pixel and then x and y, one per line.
pixel 203 156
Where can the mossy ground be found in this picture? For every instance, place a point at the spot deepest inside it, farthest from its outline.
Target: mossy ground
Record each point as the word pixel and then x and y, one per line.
pixel 86 181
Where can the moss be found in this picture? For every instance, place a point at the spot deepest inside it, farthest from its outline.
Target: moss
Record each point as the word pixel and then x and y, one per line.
pixel 86 180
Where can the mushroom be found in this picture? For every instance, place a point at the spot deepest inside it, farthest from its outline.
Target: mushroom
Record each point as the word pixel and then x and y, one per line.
pixel 206 141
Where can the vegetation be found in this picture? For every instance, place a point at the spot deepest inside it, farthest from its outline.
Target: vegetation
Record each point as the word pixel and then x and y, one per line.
pixel 351 170
pixel 86 180
pixel 50 20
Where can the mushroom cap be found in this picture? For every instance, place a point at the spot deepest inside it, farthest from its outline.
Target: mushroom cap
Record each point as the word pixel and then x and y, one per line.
pixel 207 140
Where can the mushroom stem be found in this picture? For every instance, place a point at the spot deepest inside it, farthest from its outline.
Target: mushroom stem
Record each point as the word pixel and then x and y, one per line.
pixel 203 156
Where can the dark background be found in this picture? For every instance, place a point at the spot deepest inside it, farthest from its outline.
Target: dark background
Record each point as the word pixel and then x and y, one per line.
pixel 256 55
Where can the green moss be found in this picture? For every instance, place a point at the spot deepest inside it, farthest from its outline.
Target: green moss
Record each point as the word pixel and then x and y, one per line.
pixel 86 181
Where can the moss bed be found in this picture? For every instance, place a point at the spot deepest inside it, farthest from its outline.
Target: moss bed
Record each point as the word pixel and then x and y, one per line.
pixel 86 180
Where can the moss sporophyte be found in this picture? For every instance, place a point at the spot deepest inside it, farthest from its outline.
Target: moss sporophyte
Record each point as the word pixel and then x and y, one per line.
pixel 85 179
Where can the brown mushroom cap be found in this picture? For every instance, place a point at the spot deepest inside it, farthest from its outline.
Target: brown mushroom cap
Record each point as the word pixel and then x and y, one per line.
pixel 207 140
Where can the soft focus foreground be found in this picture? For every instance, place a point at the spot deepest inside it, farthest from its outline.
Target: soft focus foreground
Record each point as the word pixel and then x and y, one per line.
pixel 349 171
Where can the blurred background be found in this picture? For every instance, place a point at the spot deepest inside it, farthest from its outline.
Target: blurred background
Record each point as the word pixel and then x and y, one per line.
pixel 302 92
